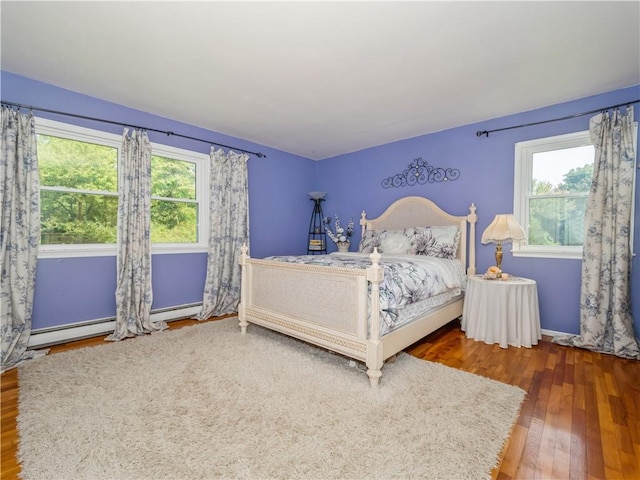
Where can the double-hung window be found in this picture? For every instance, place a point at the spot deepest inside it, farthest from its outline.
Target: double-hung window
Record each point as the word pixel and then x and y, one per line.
pixel 551 185
pixel 79 193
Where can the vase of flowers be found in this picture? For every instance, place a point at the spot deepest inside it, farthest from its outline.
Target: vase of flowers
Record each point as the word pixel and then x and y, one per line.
pixel 343 246
pixel 340 235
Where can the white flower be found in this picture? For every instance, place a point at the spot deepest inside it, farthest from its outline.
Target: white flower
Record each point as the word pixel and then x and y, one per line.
pixel 341 234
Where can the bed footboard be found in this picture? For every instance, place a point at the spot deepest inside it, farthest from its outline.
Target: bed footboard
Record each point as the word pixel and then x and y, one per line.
pixel 326 306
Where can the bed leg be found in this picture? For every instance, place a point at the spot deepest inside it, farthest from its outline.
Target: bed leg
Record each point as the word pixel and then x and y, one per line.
pixel 374 377
pixel 242 317
pixel 244 256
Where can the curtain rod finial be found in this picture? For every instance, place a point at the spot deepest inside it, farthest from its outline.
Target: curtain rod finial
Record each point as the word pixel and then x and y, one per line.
pixel 480 133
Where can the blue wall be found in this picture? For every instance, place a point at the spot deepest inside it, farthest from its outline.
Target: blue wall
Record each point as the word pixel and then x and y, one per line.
pixel 487 170
pixel 71 290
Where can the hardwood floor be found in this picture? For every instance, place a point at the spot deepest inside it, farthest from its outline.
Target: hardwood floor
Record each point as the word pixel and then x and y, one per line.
pixel 580 418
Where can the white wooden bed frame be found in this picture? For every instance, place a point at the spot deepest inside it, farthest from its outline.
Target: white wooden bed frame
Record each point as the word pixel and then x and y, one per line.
pixel 328 306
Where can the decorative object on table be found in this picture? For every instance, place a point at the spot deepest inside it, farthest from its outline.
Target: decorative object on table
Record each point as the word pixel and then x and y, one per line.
pixel 504 228
pixel 341 236
pixel 317 236
pixel 492 273
pixel 420 172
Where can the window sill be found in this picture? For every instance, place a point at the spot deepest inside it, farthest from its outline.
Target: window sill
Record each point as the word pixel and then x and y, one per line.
pixel 110 250
pixel 575 254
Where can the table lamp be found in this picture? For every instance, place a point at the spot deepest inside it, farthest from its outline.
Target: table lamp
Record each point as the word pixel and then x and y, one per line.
pixel 504 228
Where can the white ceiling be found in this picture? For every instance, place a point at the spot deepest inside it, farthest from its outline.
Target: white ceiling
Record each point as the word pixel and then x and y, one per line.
pixel 319 79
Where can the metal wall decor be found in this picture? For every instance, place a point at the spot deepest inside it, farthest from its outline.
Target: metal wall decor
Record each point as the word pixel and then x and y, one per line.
pixel 420 172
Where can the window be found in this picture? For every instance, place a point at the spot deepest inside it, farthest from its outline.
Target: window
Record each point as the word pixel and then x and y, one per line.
pixel 78 190
pixel 79 193
pixel 551 186
pixel 174 205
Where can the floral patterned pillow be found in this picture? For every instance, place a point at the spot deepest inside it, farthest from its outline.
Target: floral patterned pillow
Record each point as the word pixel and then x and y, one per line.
pixel 386 241
pixel 439 242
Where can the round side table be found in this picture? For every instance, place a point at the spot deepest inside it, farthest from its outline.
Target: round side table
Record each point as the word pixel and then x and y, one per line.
pixel 502 311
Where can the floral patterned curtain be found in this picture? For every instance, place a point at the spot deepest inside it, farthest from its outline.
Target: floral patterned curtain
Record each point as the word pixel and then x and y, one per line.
pixel 19 233
pixel 229 230
pixel 606 324
pixel 133 289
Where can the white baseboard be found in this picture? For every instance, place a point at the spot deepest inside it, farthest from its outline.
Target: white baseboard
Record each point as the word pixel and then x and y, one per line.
pixel 70 332
pixel 552 333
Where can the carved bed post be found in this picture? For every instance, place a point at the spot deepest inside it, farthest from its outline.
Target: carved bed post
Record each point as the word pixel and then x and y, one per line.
pixel 243 288
pixel 472 218
pixel 363 223
pixel 375 275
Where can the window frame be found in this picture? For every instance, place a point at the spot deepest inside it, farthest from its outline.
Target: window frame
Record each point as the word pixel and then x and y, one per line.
pixel 523 176
pixel 54 128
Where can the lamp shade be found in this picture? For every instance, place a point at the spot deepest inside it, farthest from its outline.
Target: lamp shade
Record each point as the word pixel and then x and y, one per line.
pixel 317 195
pixel 504 228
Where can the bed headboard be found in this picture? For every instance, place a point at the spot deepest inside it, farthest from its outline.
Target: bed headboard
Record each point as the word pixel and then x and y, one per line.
pixel 416 211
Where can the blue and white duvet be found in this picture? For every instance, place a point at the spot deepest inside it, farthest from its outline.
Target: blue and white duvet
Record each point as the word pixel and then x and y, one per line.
pixel 408 279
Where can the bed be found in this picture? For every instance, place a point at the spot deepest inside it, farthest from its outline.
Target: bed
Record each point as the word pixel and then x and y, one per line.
pixel 338 307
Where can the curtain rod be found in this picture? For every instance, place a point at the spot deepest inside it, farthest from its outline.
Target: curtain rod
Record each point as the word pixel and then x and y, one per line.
pixel 486 133
pixel 168 133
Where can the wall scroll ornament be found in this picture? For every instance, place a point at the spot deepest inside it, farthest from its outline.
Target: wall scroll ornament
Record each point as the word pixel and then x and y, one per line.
pixel 420 172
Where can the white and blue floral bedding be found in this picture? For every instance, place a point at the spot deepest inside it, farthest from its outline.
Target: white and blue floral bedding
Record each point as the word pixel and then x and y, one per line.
pixel 408 279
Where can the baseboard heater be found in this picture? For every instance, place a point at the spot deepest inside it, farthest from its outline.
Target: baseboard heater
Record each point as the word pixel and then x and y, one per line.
pixel 45 337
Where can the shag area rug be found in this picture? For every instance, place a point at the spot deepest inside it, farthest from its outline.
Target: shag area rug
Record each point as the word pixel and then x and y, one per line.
pixel 206 402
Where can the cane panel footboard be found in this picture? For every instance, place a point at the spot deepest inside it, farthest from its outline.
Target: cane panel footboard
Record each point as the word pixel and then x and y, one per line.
pixel 322 305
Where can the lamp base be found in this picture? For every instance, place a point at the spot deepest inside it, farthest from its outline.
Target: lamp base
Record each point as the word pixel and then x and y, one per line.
pixel 499 258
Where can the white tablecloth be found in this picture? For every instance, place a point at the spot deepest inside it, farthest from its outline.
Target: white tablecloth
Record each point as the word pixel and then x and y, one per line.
pixel 502 311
